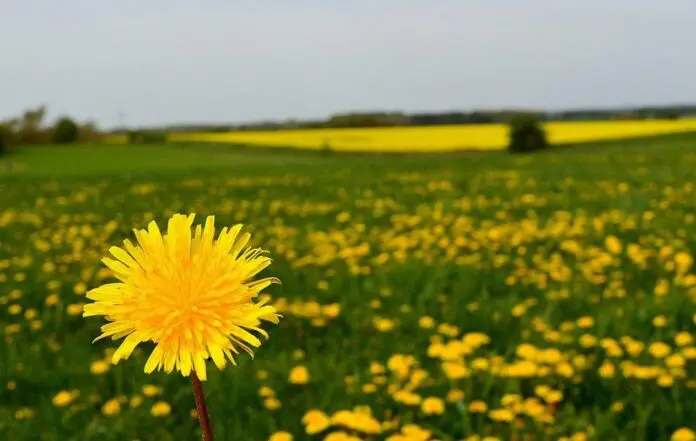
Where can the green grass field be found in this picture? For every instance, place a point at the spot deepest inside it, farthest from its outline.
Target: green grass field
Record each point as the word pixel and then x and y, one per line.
pixel 477 295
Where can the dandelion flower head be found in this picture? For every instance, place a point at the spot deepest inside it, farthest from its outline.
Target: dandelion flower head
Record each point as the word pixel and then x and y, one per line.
pixel 190 294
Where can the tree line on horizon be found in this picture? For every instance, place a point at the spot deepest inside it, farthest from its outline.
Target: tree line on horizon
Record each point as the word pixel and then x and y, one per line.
pixel 403 119
pixel 31 128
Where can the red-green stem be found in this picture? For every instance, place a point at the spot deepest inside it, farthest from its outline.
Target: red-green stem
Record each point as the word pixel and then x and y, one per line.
pixel 201 408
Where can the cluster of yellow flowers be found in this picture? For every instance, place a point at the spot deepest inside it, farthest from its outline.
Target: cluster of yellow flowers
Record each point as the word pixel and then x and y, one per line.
pixel 318 314
pixel 112 406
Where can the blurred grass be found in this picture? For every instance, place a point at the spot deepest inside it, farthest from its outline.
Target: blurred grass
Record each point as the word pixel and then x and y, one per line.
pixel 101 159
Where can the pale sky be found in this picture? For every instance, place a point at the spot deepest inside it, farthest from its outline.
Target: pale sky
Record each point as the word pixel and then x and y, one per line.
pixel 225 61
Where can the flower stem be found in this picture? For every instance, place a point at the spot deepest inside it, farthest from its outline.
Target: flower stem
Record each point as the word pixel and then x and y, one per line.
pixel 201 408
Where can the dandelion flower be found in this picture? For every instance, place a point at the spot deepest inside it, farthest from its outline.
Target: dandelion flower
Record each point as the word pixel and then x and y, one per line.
pixel 683 434
pixel 111 407
pixel 64 398
pixel 160 409
pixel 315 421
pixel 99 367
pixel 299 375
pixel 433 406
pixel 478 406
pixel 150 390
pixel 135 401
pixel 75 309
pixel 187 292
pixel 281 436
pixel 272 403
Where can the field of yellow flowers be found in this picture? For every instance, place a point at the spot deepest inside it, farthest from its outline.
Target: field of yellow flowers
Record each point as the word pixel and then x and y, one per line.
pixel 478 298
pixel 438 138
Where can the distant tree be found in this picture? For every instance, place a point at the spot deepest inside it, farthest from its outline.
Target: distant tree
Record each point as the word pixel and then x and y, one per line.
pixel 88 132
pixel 147 137
pixel 670 114
pixel 526 133
pixel 30 129
pixel 4 140
pixel 65 131
pixel 326 148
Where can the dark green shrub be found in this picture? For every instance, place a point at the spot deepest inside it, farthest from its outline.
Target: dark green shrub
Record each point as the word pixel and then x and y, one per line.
pixel 147 137
pixel 66 131
pixel 326 148
pixel 671 114
pixel 3 141
pixel 527 134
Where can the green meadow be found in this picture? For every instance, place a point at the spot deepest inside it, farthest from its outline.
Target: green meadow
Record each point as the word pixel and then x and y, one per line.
pixel 424 297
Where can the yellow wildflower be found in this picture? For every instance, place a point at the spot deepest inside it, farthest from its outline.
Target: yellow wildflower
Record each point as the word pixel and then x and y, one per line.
pixel 64 398
pixel 455 395
pixel 659 349
pixel 150 390
pixel 160 409
pixel 299 375
pixel 660 321
pixel 135 401
pixel 503 415
pixel 99 367
pixel 280 436
pixel 315 421
pixel 683 434
pixel 426 322
pixel 111 407
pixel 477 406
pixel 433 406
pixel 272 403
pixel 187 293
pixel 613 244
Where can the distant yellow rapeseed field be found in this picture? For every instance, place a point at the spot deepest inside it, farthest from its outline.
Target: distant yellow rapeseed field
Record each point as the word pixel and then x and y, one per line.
pixel 438 138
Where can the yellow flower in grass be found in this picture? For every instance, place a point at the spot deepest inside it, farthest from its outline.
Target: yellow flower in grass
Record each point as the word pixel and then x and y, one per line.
pixel 75 309
pixel 358 420
pixel 190 294
pixel 341 436
pixel 135 401
pixel 369 388
pixel 477 406
pixel 659 349
pixel 281 436
pixel 266 392
pixel 111 407
pixel 617 406
pixel 659 321
pixel 160 409
pixel 426 322
pixel 150 390
pixel 299 375
pixel 683 339
pixel 24 413
pixel 315 421
pixel 411 432
pixel 501 415
pixel 99 367
pixel 64 398
pixel 52 299
pixel 683 434
pixel 613 244
pixel 272 403
pixel 433 406
pixel 455 395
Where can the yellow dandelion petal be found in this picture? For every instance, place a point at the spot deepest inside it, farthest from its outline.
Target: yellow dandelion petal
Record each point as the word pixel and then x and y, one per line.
pixel 188 293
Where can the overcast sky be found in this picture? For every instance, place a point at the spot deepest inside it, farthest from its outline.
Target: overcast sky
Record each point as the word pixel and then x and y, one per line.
pixel 170 61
